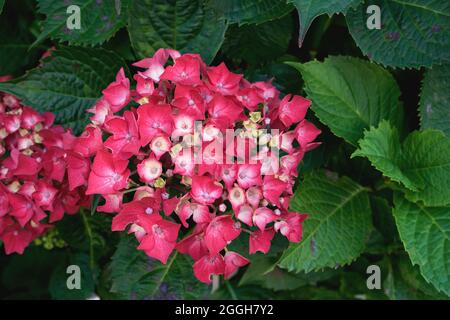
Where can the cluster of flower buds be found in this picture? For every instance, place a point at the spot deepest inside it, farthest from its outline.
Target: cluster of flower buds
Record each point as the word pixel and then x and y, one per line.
pixel 40 174
pixel 197 147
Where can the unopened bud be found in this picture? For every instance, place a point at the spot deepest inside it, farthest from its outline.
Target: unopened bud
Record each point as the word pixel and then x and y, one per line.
pixel 255 116
pixel 23 132
pixel 37 138
pixel 160 183
pixel 143 100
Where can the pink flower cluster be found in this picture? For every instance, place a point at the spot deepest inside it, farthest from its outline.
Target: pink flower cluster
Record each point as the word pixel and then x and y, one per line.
pixel 162 162
pixel 41 174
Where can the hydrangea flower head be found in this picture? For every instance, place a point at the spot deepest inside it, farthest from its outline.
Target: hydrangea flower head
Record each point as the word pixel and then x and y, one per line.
pixel 43 172
pixel 199 158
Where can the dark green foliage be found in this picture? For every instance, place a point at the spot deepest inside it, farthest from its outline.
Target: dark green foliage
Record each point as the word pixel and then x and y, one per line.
pixel 377 191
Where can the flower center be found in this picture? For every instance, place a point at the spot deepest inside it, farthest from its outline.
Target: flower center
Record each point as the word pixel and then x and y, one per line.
pixel 157 230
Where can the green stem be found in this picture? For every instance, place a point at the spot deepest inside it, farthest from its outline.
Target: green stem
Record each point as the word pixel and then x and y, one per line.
pixel 231 290
pixel 130 190
pixel 88 229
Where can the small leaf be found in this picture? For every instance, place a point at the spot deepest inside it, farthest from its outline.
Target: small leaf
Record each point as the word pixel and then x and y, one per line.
pixel 308 10
pixel 250 11
pixel 184 25
pixel 435 99
pixel 338 225
pixel 69 82
pixel 413 33
pixel 425 233
pixel 383 219
pixel 350 95
pixel 421 164
pixel 382 147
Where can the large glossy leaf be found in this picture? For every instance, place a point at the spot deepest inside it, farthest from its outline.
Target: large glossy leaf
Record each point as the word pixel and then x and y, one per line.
pixel 425 232
pixel 308 10
pixel 338 225
pixel 137 276
pixel 251 11
pixel 413 33
pixel 256 44
pixel 185 25
pixel 99 20
pixel 350 95
pixel 435 99
pixel 68 83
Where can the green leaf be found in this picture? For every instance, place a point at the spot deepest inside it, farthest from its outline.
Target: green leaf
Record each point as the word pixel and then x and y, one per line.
pixel 249 292
pixel 88 234
pixel 27 276
pixel 350 95
pixel 185 25
pixel 383 219
pixel 338 225
pixel 422 164
pixel 425 233
pixel 308 10
pixel 99 20
pixel 435 99
pixel 256 44
pixel 382 147
pixel 69 82
pixel 58 282
pixel 261 272
pixel 411 275
pixel 137 276
pixel 285 78
pixel 414 33
pixel 426 162
pixel 16 38
pixel 251 11
pixel 395 287
pixel 2 3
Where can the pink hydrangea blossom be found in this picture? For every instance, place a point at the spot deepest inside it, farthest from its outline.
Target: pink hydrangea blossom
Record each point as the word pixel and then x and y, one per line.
pixel 175 176
pixel 43 172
